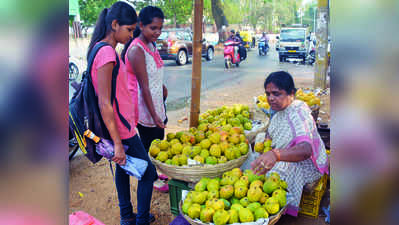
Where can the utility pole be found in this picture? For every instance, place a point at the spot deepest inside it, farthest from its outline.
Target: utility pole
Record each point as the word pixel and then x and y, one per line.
pixel 196 73
pixel 314 19
pixel 320 76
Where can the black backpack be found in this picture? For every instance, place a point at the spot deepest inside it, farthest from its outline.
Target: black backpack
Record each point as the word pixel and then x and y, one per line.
pixel 84 112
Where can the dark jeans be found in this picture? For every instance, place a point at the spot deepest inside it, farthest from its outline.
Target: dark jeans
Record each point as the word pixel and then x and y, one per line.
pixel 148 134
pixel 243 52
pixel 144 189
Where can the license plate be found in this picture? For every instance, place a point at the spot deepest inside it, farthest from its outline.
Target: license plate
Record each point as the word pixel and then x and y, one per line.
pixel 291 50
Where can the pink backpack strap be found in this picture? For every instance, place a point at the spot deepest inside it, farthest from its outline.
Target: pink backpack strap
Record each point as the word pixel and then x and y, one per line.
pixel 155 55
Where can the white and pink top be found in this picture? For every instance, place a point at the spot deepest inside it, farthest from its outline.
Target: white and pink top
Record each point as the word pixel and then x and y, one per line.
pixel 155 71
pixel 288 128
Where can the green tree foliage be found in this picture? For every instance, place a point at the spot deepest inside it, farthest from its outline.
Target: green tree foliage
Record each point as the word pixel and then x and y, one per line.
pixel 309 16
pixel 208 11
pixel 218 15
pixel 138 5
pixel 91 9
pixel 177 11
pixel 233 10
pixel 267 15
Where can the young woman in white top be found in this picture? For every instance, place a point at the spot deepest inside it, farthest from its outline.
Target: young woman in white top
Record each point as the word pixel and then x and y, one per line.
pixel 146 66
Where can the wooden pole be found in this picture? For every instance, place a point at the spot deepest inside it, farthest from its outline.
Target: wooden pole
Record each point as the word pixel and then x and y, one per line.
pixel 196 73
pixel 320 76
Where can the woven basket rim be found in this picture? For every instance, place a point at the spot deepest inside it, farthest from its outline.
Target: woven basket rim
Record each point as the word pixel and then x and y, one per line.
pixel 221 165
pixel 272 219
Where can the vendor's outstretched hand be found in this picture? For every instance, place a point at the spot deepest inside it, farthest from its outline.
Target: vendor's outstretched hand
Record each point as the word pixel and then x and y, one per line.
pixel 264 163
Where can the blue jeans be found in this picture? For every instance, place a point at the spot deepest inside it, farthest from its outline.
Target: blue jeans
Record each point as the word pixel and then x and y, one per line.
pixel 145 185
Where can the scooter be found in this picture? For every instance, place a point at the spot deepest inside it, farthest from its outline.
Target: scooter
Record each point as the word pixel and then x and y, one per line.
pixel 262 47
pixel 231 55
pixel 311 58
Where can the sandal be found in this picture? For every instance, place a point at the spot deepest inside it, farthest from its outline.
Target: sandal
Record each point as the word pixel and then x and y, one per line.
pixel 161 186
pixel 162 177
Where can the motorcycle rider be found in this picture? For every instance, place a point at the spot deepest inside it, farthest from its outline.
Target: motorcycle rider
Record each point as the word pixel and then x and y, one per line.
pixel 233 37
pixel 241 48
pixel 265 39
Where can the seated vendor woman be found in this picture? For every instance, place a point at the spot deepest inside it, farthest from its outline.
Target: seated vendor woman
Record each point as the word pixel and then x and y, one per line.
pixel 298 154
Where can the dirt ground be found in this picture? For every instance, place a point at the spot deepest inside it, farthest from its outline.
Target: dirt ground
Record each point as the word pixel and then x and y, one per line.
pixel 92 189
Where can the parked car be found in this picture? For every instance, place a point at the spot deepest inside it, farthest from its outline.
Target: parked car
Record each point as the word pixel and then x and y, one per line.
pixel 177 44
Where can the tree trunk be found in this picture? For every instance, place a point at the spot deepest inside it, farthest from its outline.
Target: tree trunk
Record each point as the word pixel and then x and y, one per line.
pixel 219 17
pixel 174 19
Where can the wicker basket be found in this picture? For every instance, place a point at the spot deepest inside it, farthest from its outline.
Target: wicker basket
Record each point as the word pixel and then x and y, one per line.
pixel 272 219
pixel 194 173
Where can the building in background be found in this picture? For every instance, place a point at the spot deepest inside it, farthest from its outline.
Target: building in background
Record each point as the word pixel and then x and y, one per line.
pixel 74 16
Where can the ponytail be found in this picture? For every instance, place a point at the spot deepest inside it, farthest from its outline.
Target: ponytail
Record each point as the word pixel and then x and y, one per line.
pixel 124 51
pixel 136 33
pixel 120 11
pixel 100 31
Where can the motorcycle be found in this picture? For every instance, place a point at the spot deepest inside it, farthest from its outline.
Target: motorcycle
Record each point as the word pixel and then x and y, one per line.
pixel 263 47
pixel 231 55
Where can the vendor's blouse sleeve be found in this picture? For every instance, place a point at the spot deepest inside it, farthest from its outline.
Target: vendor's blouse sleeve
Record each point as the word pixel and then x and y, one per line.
pixel 303 128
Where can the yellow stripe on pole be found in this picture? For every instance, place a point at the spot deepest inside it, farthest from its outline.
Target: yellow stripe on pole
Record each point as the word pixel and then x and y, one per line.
pixel 322 3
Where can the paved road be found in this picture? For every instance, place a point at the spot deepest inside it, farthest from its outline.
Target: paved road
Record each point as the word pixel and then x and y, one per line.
pixel 214 74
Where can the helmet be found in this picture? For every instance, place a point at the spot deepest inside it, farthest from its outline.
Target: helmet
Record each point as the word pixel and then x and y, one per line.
pixel 232 31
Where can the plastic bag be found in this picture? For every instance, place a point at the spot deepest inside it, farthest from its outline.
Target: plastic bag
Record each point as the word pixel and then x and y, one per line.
pixel 257 126
pixel 134 166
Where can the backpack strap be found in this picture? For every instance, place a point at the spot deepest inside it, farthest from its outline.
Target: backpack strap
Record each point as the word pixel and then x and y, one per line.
pixel 115 72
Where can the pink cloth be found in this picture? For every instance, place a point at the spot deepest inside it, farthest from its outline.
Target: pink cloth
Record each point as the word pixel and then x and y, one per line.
pixel 155 54
pixel 292 210
pixel 82 218
pixel 127 104
pixel 132 83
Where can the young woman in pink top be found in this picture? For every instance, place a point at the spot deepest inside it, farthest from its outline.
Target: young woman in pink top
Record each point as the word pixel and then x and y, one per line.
pixel 116 25
pixel 144 64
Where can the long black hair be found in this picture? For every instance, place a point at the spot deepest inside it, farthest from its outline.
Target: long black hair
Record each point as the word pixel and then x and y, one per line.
pixel 119 11
pixel 146 15
pixel 282 80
